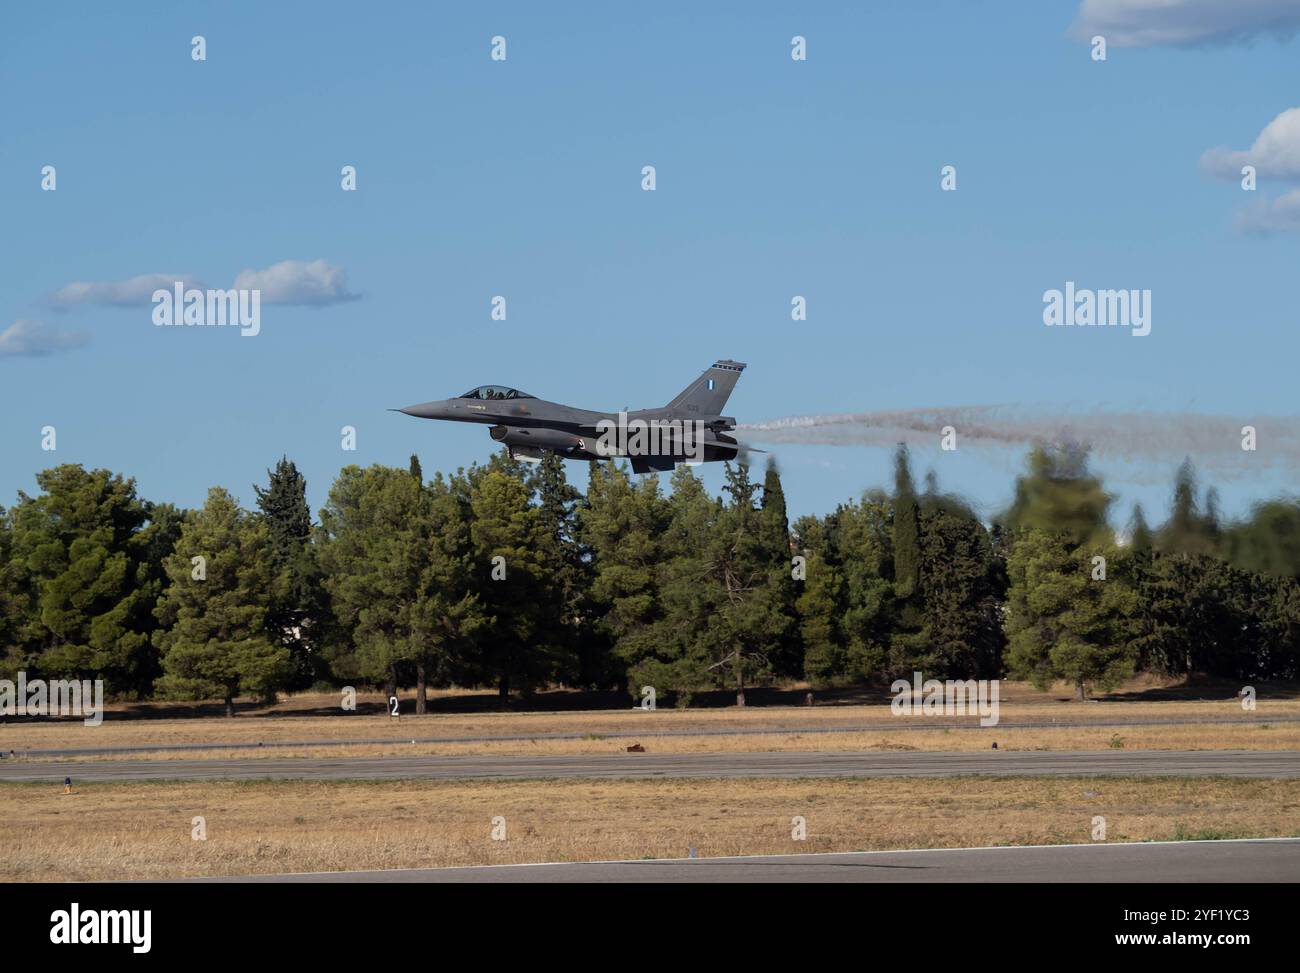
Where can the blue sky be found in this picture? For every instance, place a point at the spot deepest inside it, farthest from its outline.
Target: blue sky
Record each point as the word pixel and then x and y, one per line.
pixel 522 178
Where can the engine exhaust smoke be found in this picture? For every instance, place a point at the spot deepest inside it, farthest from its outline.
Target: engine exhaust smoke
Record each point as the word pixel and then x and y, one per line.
pixel 1218 443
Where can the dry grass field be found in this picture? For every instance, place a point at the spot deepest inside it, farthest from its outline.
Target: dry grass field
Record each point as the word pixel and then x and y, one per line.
pixel 846 727
pixel 143 830
pixel 1261 736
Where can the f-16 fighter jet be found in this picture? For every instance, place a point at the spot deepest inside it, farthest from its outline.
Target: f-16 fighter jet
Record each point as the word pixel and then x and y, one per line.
pixel 689 429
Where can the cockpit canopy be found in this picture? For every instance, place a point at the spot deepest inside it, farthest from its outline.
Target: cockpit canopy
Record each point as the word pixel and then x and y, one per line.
pixel 495 393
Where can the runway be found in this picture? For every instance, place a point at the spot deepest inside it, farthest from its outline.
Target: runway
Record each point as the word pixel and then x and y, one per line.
pixel 642 766
pixel 1262 860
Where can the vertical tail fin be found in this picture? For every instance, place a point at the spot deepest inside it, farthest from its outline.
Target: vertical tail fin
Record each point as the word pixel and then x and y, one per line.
pixel 708 394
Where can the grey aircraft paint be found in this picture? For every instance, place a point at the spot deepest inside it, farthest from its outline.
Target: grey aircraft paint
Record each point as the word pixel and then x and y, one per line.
pixel 530 427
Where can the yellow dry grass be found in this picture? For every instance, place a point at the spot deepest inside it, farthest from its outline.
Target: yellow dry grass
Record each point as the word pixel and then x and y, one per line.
pixel 1265 736
pixel 143 830
pixel 1020 704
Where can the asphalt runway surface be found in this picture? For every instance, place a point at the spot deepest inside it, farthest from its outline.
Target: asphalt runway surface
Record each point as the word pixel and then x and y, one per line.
pixel 641 766
pixel 1264 860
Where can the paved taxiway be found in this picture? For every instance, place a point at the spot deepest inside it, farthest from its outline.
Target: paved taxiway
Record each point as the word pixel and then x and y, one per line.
pixel 1176 763
pixel 1264 860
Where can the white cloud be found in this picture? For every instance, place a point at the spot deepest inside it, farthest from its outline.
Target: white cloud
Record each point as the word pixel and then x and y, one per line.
pixel 297 282
pixel 28 337
pixel 1279 215
pixel 1275 154
pixel 314 283
pixel 1186 23
pixel 126 293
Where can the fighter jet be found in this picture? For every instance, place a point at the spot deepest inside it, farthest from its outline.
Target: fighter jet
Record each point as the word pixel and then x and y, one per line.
pixel 689 429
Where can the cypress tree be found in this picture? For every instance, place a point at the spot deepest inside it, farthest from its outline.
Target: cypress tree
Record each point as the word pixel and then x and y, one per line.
pixel 296 605
pixel 1140 537
pixel 907 531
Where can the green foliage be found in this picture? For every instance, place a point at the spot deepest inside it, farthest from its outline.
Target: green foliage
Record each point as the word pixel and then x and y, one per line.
pixel 1188 530
pixel 1141 539
pixel 569 617
pixel 1063 622
pixel 1059 494
pixel 857 622
pixel 745 590
pixel 213 639
pixel 18 617
pixel 628 527
pixel 296 610
pixel 774 530
pixel 81 576
pixel 820 614
pixel 863 548
pixel 962 587
pixel 1202 615
pixel 695 594
pixel 1268 542
pixel 505 575
pixel 907 529
pixel 519 645
pixel 397 557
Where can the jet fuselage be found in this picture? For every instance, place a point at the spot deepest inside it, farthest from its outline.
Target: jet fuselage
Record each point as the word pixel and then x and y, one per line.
pixel 688 429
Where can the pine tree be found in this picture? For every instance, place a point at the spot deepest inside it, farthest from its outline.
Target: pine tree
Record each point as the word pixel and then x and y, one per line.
pixel 213 639
pixel 1268 541
pixel 863 550
pixel 85 578
pixel 19 621
pixel 962 589
pixel 509 543
pixel 397 560
pixel 748 618
pixel 1059 494
pixel 1062 620
pixel 568 567
pixel 623 524
pixel 674 652
pixel 820 609
pixel 448 611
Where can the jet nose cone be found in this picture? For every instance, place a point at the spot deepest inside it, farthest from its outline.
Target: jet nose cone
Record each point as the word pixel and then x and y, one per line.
pixel 427 410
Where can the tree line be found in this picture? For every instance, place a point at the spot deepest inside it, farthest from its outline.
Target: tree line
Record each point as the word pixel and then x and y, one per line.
pixel 505 575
